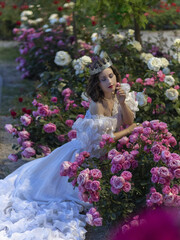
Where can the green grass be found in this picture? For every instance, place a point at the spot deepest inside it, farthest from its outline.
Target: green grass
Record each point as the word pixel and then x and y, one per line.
pixel 9 54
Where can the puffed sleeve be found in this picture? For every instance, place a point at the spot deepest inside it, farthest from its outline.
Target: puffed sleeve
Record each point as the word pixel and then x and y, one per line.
pixel 91 128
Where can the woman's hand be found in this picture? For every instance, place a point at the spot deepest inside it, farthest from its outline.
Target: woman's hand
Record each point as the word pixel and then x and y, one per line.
pixel 121 95
pixel 132 127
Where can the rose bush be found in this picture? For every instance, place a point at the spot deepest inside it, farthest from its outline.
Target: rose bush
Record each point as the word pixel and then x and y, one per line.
pixel 138 171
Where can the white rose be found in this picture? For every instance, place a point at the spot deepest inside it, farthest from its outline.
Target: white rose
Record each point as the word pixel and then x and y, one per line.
pixel 146 56
pixel 97 49
pixel 177 42
pixel 70 28
pixel 95 37
pixel 39 20
pixel 48 30
pixel 154 64
pixel 141 98
pixel 62 20
pixel 62 58
pixel 118 37
pixel 169 80
pixel 164 62
pixel 136 45
pixel 24 19
pixel 26 13
pixel 85 60
pixel 53 18
pixel 172 94
pixel 32 22
pixel 131 32
pixel 78 66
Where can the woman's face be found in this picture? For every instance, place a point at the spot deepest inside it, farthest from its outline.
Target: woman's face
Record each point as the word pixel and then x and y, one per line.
pixel 107 80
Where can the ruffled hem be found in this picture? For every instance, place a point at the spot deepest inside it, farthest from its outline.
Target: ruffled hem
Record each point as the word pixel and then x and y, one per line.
pixel 24 220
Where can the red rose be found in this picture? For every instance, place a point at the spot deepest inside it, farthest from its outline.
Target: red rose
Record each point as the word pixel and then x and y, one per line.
pixel 60 8
pixel 14 6
pixel 24 110
pixel 56 2
pixel 93 23
pixel 28 111
pixel 18 23
pixel 13 113
pixel 20 99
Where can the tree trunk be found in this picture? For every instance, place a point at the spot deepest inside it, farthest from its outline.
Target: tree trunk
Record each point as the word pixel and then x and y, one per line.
pixel 75 31
pixel 137 31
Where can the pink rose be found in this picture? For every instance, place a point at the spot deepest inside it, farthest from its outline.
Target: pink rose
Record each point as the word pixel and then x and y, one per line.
pixel 146 124
pixel 81 189
pixel 97 222
pixel 26 144
pixel 9 128
pixel 13 157
pixel 166 155
pixel 115 191
pixel 138 130
pixel 156 148
pixel 20 141
pixel 162 126
pixel 134 152
pixel 73 169
pixel 89 219
pixel 175 189
pixel 28 152
pixel 147 131
pixel 154 178
pixel 88 184
pixel 34 102
pixel 118 159
pixel 80 116
pixel 24 134
pixel 43 110
pixel 139 80
pixel 85 154
pixel 82 178
pixel 123 140
pixel 172 141
pixel 126 165
pixel 176 87
pixel 61 138
pixel 45 149
pixel 49 127
pixel 177 173
pixel 69 123
pixel 149 100
pixel 177 201
pixel 133 137
pixel 154 170
pixel 95 185
pixel 95 196
pixel 85 104
pixel 114 168
pixel 168 200
pixel 54 99
pixel 66 91
pixel 163 172
pixel 83 197
pixel 127 187
pixel 156 197
pixel 156 157
pixel 166 190
pixel 79 159
pixel 154 124
pixel 126 175
pixel 96 174
pixel 117 182
pixel 35 114
pixel 134 164
pixel 72 134
pixel 64 168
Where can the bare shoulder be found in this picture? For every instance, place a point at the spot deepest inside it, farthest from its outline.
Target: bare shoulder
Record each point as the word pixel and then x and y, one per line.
pixel 96 108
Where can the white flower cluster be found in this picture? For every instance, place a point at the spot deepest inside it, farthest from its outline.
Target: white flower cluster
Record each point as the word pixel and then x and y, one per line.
pixel 177 43
pixel 96 38
pixel 118 37
pixel 80 64
pixel 25 15
pixel 146 57
pixel 62 58
pixel 63 19
pixel 169 80
pixel 136 45
pixel 155 63
pixel 69 5
pixel 131 32
pixel 53 18
pixel 172 94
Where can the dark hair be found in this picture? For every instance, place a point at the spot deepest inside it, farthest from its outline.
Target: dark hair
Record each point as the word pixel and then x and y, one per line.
pixel 93 89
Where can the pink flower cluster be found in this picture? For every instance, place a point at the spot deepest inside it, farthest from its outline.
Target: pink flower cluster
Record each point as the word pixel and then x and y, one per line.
pixel 26 119
pixel 161 175
pixel 93 217
pixel 49 127
pixel 121 161
pixel 67 93
pixel 43 110
pixel 89 185
pixel 153 80
pixel 70 169
pixel 121 183
pixel 106 139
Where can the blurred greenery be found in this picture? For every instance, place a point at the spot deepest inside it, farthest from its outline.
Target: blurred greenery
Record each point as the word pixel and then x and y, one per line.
pixel 8 54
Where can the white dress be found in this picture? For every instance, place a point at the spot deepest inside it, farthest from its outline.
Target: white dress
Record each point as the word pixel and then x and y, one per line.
pixel 36 203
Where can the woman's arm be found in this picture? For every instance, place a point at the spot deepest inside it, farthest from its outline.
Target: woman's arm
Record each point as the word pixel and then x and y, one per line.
pixel 124 132
pixel 127 114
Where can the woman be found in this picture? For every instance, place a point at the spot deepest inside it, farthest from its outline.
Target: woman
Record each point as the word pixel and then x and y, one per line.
pixel 35 201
